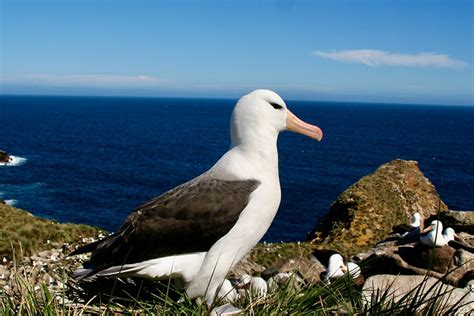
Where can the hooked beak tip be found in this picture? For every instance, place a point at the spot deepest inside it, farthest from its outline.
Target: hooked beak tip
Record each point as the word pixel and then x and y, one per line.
pixel 295 124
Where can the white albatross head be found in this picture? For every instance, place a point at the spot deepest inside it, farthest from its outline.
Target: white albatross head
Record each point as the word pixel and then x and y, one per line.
pixel 336 267
pixel 435 228
pixel 449 234
pixel 416 220
pixel 260 115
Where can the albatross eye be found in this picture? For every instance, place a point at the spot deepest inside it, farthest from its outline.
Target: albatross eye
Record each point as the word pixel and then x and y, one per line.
pixel 276 106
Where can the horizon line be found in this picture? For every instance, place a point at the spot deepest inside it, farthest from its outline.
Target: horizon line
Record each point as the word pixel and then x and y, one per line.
pixel 233 98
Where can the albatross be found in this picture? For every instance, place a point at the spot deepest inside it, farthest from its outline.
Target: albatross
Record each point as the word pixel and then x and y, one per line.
pixel 432 235
pixel 197 231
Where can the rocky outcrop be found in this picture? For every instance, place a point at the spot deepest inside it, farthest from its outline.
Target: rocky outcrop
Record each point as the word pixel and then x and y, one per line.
pixel 309 268
pixel 451 265
pixel 245 266
pixel 419 289
pixel 458 220
pixel 4 157
pixel 367 210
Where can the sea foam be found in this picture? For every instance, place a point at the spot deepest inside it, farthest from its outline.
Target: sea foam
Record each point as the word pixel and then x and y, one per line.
pixel 14 162
pixel 11 202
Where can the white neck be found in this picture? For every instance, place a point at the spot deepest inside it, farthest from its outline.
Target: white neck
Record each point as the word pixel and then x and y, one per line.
pixel 253 157
pixel 416 222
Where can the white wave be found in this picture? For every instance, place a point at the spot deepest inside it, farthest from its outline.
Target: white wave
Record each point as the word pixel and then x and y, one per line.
pixel 11 202
pixel 14 161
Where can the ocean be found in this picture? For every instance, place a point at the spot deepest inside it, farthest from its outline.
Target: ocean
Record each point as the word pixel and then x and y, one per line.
pixel 93 160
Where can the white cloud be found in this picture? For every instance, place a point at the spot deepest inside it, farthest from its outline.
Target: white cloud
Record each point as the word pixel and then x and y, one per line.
pixel 373 57
pixel 84 80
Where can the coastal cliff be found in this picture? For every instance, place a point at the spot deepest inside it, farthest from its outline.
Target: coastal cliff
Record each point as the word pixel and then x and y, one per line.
pixel 35 250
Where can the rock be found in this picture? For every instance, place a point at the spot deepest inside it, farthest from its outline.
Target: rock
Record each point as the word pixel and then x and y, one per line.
pixel 4 157
pixel 309 269
pixel 437 259
pixel 462 257
pixel 460 221
pixel 398 286
pixel 416 259
pixel 285 279
pixel 4 273
pixel 245 266
pixel 466 238
pixel 367 210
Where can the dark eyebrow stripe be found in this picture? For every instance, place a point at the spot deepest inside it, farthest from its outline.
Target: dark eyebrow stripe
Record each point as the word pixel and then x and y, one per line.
pixel 276 106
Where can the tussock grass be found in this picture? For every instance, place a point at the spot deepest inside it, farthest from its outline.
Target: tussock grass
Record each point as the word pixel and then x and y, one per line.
pixel 339 297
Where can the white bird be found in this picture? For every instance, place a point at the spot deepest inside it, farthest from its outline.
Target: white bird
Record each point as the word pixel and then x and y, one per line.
pixel 354 269
pixel 336 267
pixel 258 287
pixel 454 241
pixel 449 234
pixel 432 235
pixel 200 229
pixel 227 293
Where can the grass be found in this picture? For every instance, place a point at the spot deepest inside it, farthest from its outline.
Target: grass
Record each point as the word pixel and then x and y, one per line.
pixel 24 234
pixel 339 297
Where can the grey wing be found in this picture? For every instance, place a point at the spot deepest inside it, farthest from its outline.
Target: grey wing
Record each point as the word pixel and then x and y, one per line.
pixel 188 218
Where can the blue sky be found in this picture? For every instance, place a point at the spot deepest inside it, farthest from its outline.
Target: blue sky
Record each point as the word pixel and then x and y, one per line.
pixel 377 51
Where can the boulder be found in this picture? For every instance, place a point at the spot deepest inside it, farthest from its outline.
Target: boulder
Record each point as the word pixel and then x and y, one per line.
pixel 309 268
pixel 396 287
pixel 445 263
pixel 4 157
pixel 437 259
pixel 367 210
pixel 245 266
pixel 460 221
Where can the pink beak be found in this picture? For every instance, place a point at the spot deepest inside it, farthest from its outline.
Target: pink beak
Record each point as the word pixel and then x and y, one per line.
pixel 294 124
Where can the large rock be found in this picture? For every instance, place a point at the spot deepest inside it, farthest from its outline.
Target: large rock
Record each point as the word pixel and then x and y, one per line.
pixel 245 266
pixel 4 157
pixel 460 221
pixel 446 263
pixel 367 210
pixel 437 259
pixel 461 300
pixel 309 268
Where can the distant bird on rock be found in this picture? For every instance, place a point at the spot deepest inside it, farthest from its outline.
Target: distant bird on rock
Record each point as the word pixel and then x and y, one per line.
pixel 227 293
pixel 257 286
pixel 455 241
pixel 449 234
pixel 336 268
pixel 432 235
pixel 403 230
pixel 199 230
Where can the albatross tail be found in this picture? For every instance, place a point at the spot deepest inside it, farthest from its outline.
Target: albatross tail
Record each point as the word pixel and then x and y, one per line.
pixel 180 266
